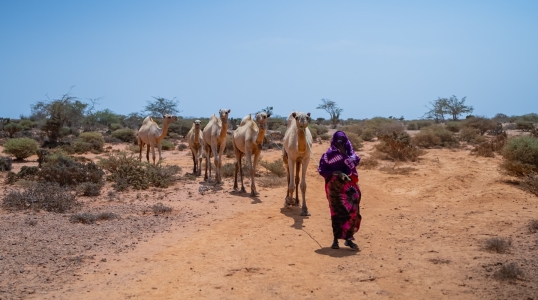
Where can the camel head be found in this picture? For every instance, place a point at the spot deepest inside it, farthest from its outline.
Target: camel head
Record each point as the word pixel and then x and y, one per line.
pixel 167 119
pixel 261 119
pixel 223 113
pixel 301 119
pixel 197 124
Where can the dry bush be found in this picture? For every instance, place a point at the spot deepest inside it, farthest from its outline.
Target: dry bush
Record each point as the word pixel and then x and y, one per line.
pixel 510 271
pixel 125 135
pixel 21 148
pixel 368 135
pixel 66 171
pixel 276 167
pixel 135 149
pixel 228 169
pixel 271 181
pixel 28 173
pixel 399 146
pixel 127 171
pixel 183 146
pixel 497 244
pixel 368 163
pixel 435 136
pixel 520 156
pixel 390 127
pixel 439 261
pixel 325 137
pixel 530 183
pixel 355 128
pixel 5 163
pixel 453 126
pixel 160 208
pixel 468 134
pixel 355 140
pixel 89 189
pixel 417 125
pixel 524 125
pixel 47 196
pixel 87 218
pixel 488 148
pixel 481 124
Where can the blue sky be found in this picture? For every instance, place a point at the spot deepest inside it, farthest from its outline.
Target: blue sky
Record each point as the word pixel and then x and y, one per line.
pixel 373 58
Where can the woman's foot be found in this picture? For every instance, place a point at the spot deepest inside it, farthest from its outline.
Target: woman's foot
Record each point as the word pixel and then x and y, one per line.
pixel 351 245
pixel 335 245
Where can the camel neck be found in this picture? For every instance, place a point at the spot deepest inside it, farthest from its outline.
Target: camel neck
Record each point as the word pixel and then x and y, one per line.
pixel 224 129
pixel 301 140
pixel 196 135
pixel 164 131
pixel 261 135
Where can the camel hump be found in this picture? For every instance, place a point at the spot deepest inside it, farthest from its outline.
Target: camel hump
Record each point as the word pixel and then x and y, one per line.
pixel 146 120
pixel 246 119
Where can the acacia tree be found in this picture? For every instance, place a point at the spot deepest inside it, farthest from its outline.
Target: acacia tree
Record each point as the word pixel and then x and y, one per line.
pixel 161 106
pixel 455 107
pixel 334 111
pixel 66 111
pixel 437 110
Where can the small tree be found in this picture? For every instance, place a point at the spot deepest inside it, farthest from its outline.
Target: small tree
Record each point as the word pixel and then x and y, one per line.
pixel 268 110
pixel 13 128
pixel 455 107
pixel 334 111
pixel 437 110
pixel 162 106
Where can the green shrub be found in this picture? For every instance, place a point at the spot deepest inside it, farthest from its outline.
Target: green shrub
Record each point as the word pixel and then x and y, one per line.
pixel 5 163
pixel 276 167
pixel 115 126
pixel 468 134
pixel 65 171
pixel 167 145
pixel 47 196
pixel 520 156
pixel 314 134
pixel 27 124
pixel 355 140
pixel 125 135
pixel 21 148
pixel 89 141
pixel 89 189
pixel 12 128
pixel 325 137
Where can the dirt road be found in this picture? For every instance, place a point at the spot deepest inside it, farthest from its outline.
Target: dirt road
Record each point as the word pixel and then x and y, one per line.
pixel 421 238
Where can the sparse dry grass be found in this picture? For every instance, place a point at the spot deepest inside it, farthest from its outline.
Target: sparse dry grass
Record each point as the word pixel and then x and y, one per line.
pixel 397 171
pixel 497 244
pixel 271 181
pixel 160 208
pixel 368 163
pixel 533 226
pixel 87 218
pixel 510 272
pixel 276 167
pixel 439 261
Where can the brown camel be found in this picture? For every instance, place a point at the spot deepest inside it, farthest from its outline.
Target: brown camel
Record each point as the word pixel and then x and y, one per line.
pixel 151 135
pixel 296 144
pixel 196 144
pixel 214 135
pixel 247 140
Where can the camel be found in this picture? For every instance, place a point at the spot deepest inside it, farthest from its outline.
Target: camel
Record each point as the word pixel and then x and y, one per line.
pixel 214 139
pixel 296 151
pixel 196 145
pixel 151 135
pixel 247 140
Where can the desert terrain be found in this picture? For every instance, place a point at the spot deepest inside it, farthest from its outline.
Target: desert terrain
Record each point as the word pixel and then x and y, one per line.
pixel 422 237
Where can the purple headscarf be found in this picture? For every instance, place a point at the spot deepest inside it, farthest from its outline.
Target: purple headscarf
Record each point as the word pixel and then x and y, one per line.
pixel 333 160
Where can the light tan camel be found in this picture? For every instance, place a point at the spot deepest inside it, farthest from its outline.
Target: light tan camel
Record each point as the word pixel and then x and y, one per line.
pixel 196 144
pixel 247 140
pixel 151 135
pixel 296 144
pixel 214 135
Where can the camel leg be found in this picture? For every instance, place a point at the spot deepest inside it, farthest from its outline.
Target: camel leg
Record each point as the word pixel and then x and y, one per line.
pixel 285 162
pixel 240 162
pixel 140 147
pixel 207 163
pixel 153 152
pixel 199 161
pixel 193 162
pixel 147 152
pixel 159 147
pixel 303 188
pixel 252 164
pixel 221 152
pixel 291 183
pixel 297 170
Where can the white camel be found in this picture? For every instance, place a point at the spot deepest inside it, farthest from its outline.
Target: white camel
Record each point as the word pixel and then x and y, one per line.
pixel 296 151
pixel 196 144
pixel 214 135
pixel 247 141
pixel 151 134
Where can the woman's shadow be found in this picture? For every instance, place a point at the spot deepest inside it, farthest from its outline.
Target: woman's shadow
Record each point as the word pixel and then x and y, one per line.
pixel 295 215
pixel 342 252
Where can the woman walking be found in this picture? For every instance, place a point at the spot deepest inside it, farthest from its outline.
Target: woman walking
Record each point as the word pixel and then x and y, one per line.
pixel 338 167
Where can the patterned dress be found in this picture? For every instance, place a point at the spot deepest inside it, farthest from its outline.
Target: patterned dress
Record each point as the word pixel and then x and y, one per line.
pixel 342 190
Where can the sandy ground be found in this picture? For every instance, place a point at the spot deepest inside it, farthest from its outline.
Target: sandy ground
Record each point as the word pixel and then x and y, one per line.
pixel 421 237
